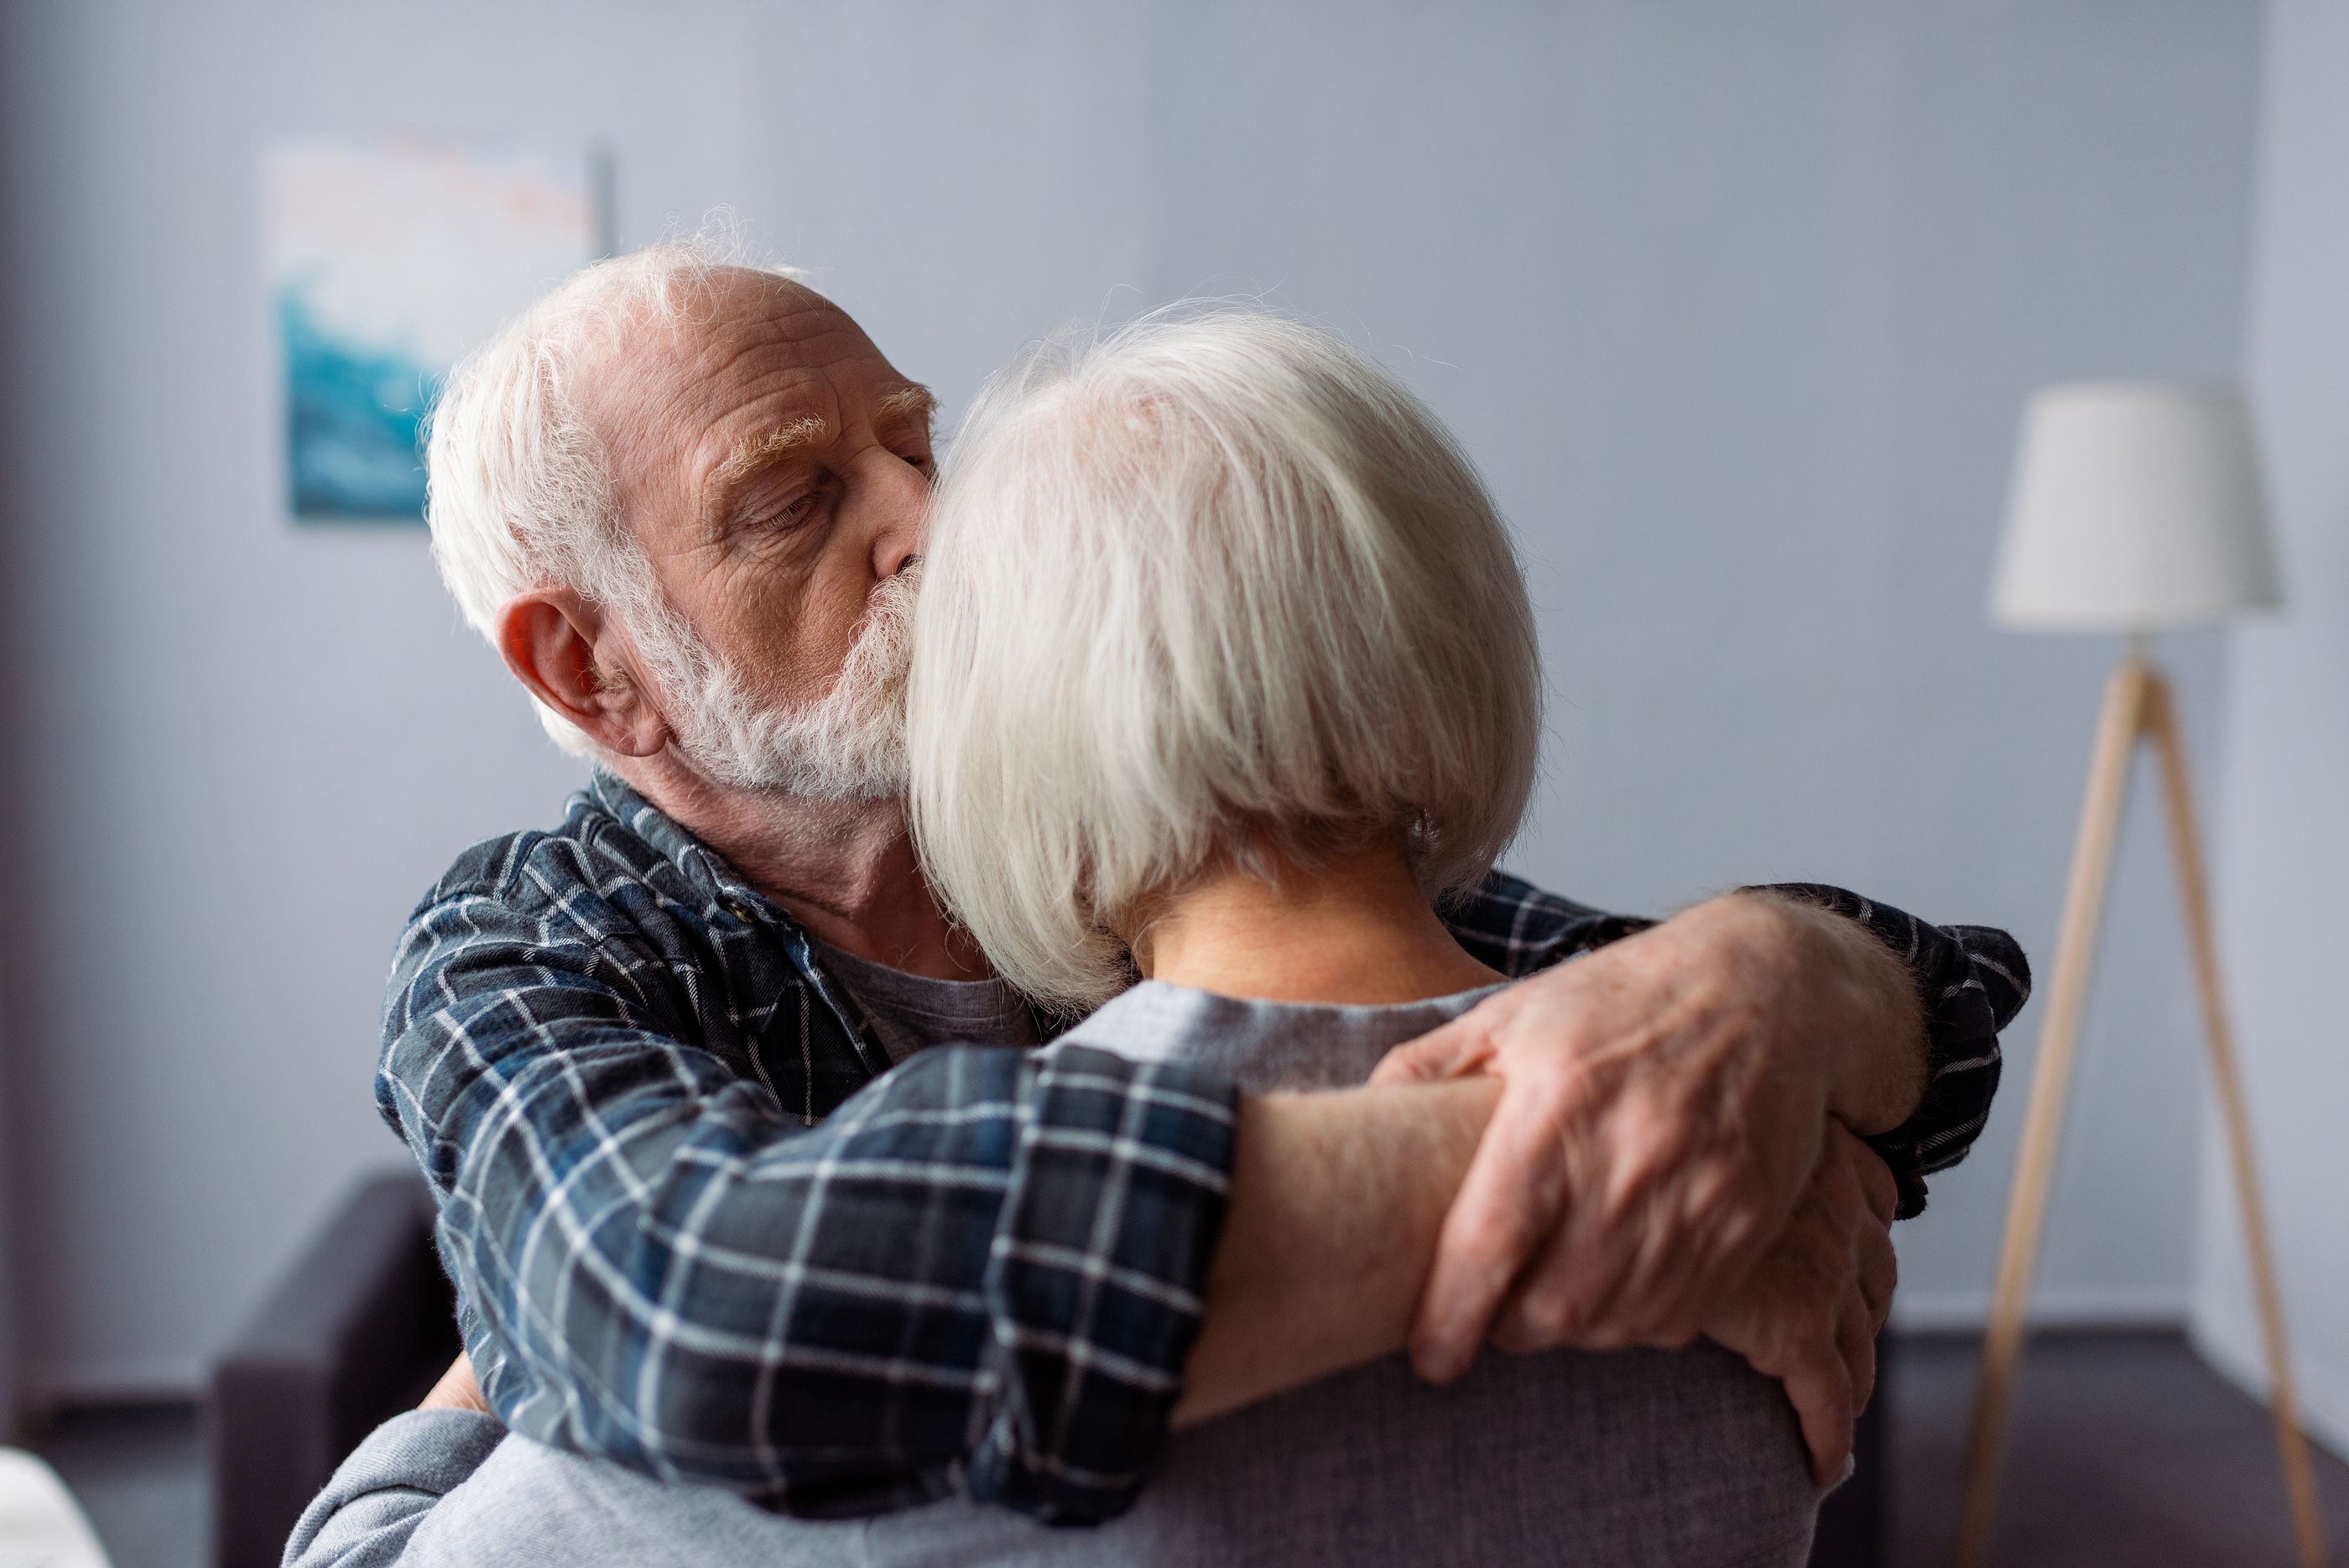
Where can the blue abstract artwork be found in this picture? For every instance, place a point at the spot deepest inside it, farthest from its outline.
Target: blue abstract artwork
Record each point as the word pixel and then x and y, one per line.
pixel 389 260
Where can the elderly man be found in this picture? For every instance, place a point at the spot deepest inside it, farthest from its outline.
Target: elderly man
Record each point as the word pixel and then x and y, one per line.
pixel 738 1180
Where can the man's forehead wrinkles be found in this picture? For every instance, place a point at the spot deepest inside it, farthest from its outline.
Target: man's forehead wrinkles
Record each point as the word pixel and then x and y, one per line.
pixel 763 380
pixel 816 334
pixel 779 399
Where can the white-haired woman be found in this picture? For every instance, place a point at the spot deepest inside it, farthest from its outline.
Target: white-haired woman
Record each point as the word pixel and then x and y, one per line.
pixel 1223 674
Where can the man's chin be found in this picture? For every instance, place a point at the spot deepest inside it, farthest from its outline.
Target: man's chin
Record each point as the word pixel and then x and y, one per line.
pixel 830 792
pixel 848 749
pixel 862 780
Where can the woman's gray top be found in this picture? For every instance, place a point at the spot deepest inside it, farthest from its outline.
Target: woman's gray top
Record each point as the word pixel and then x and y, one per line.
pixel 1683 1458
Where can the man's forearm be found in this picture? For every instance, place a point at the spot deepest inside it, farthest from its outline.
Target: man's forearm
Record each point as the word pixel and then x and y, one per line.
pixel 1337 1200
pixel 667 1336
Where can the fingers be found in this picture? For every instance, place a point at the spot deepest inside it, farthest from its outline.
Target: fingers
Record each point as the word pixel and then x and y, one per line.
pixel 1855 1343
pixel 1607 1231
pixel 1879 1270
pixel 1458 1048
pixel 1668 1238
pixel 1509 1202
pixel 1819 1387
pixel 1714 1211
pixel 457 1389
pixel 1578 1268
pixel 1809 1313
pixel 1860 1191
pixel 1641 1306
pixel 1694 1281
pixel 1877 1185
pixel 1553 1298
pixel 1642 1274
pixel 1785 1331
pixel 1854 1261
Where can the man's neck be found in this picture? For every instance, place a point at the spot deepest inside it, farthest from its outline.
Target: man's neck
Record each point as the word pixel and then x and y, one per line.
pixel 1355 929
pixel 845 869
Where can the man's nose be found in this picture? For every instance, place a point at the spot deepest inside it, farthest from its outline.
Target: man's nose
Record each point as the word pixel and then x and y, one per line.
pixel 900 499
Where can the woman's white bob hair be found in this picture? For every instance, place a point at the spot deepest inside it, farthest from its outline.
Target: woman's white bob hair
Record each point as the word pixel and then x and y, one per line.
pixel 1213 588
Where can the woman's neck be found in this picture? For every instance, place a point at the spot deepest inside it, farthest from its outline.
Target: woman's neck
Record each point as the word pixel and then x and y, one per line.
pixel 1354 929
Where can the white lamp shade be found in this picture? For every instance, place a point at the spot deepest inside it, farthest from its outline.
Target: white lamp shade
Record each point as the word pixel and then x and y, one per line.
pixel 2136 505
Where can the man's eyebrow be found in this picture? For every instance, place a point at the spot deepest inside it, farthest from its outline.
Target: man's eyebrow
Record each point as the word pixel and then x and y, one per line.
pixel 915 401
pixel 754 455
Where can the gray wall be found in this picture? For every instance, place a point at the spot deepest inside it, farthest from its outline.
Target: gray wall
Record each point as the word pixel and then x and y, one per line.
pixel 2283 833
pixel 14 927
pixel 1736 305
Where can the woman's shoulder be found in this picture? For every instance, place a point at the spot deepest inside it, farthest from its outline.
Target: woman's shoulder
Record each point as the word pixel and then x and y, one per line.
pixel 1262 1044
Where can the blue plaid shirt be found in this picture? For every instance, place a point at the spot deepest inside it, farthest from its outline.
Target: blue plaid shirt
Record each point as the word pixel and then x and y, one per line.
pixel 696 1230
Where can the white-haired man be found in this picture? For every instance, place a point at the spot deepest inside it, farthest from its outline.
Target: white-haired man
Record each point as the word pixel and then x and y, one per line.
pixel 737 1179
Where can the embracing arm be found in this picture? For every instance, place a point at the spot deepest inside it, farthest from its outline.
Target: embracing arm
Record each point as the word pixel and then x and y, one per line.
pixel 985 1273
pixel 660 1267
pixel 1666 1097
pixel 1337 1199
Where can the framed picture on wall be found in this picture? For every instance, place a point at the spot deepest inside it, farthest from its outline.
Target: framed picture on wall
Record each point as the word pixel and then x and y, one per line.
pixel 388 260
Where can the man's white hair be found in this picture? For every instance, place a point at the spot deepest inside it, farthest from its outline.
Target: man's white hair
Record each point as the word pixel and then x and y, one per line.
pixel 1213 587
pixel 522 497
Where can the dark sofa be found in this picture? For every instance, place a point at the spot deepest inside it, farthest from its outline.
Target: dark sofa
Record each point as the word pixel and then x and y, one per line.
pixel 358 1330
pixel 364 1321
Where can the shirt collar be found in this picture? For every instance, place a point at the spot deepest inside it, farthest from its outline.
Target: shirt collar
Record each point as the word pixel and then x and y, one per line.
pixel 703 867
pixel 724 887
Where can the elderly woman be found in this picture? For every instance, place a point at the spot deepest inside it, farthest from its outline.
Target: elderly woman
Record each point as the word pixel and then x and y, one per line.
pixel 1224 677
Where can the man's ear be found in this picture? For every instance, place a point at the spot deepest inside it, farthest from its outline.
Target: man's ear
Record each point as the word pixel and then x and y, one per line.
pixel 559 646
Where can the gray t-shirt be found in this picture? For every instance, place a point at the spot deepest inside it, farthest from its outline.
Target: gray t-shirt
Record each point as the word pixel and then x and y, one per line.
pixel 910 1012
pixel 1683 1458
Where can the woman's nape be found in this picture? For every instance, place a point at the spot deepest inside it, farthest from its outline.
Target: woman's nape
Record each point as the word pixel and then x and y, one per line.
pixel 1349 927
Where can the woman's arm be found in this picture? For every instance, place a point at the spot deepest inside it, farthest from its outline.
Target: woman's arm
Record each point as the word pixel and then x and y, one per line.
pixel 1337 1199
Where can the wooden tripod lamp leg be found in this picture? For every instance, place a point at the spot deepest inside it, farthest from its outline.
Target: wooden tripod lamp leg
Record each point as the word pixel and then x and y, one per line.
pixel 2161 717
pixel 2084 903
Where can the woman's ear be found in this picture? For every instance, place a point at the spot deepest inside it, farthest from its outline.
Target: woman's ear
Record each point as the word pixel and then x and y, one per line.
pixel 559 646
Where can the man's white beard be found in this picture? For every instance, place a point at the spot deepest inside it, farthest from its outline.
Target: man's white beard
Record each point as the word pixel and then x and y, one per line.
pixel 848 744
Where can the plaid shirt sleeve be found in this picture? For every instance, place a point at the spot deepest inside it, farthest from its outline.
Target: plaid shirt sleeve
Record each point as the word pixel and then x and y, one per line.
pixel 981 1275
pixel 1973 980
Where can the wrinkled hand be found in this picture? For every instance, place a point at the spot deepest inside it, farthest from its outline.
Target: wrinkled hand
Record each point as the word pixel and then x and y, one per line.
pixel 458 1389
pixel 1663 1109
pixel 1809 1313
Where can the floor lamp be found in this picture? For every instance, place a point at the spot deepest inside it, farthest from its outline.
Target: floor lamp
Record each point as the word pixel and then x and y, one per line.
pixel 2136 507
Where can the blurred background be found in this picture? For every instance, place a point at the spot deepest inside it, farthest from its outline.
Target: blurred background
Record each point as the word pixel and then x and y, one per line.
pixel 1736 305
